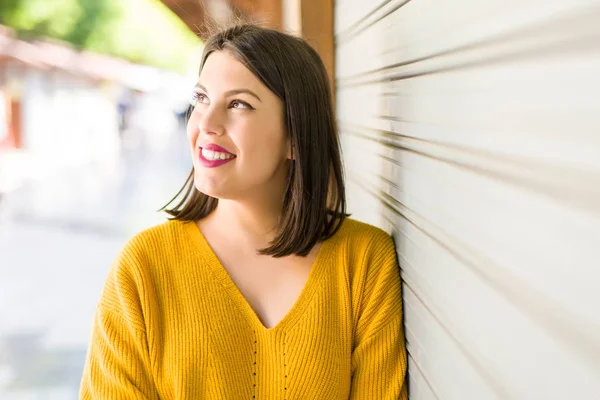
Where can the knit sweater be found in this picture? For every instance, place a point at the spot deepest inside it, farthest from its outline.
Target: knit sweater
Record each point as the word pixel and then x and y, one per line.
pixel 171 324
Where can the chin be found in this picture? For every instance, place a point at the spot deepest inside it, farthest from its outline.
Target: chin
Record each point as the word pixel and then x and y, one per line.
pixel 212 190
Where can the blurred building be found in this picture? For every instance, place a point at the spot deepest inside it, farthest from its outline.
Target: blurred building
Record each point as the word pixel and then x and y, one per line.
pixel 60 107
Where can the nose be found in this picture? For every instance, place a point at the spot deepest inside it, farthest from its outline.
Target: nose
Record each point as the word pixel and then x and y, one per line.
pixel 211 122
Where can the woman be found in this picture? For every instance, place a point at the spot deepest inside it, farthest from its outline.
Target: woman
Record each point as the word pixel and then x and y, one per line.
pixel 259 287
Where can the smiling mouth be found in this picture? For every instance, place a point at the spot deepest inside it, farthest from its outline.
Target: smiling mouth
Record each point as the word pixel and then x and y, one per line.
pixel 216 155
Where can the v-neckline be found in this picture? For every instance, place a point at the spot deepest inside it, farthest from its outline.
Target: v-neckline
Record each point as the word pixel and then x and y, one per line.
pixel 312 284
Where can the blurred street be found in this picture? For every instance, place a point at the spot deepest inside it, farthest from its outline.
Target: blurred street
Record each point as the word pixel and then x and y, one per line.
pixel 59 234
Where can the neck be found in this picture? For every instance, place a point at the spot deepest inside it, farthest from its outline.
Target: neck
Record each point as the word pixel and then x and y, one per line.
pixel 256 223
pixel 253 217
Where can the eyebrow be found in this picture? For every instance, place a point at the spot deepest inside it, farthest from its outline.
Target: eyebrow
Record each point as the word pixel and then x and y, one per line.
pixel 233 92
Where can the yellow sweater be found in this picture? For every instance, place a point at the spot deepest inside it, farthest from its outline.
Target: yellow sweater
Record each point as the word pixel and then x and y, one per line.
pixel 171 324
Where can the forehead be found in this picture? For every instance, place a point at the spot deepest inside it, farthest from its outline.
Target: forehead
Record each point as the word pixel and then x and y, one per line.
pixel 223 71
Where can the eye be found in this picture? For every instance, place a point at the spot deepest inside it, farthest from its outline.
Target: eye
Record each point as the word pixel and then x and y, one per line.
pixel 198 97
pixel 241 105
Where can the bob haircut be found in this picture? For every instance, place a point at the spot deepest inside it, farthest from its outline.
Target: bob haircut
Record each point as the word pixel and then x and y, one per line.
pixel 314 203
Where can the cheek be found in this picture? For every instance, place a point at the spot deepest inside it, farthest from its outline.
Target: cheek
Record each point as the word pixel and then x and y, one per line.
pixel 192 129
pixel 262 147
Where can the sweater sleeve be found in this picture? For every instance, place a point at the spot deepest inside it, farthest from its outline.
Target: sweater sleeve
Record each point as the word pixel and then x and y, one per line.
pixel 118 362
pixel 379 360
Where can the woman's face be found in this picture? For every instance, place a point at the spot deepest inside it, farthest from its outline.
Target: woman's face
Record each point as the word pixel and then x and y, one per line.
pixel 236 131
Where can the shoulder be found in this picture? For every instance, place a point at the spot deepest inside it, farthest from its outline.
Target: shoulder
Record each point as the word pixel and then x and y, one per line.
pixel 366 250
pixel 150 247
pixel 157 242
pixel 363 237
pixel 157 237
pixel 136 267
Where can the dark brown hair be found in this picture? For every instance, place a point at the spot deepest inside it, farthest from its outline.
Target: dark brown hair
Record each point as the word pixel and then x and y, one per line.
pixel 314 204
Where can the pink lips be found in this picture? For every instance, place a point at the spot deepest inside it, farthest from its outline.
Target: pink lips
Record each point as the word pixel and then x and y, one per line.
pixel 213 163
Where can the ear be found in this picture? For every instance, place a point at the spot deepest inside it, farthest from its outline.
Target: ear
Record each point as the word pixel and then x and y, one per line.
pixel 289 155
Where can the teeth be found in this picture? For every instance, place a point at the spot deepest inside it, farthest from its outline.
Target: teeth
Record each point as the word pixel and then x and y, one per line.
pixel 215 155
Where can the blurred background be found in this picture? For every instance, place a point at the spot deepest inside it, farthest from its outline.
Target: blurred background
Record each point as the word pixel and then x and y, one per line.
pixel 470 132
pixel 93 95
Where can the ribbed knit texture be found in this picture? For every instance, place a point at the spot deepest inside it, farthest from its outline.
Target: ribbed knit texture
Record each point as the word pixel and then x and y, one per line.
pixel 171 324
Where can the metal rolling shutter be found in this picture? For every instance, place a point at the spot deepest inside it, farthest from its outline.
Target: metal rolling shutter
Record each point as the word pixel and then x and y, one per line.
pixel 471 132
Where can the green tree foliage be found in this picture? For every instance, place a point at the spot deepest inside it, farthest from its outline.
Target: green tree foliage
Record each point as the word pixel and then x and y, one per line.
pixel 143 31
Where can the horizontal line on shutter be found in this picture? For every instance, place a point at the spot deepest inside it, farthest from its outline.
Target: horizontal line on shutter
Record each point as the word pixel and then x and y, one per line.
pixel 572 33
pixel 471 358
pixel 463 348
pixel 544 311
pixel 569 186
pixel 423 375
pixel 377 14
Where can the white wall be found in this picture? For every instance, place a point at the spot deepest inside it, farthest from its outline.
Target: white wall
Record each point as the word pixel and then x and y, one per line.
pixel 471 132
